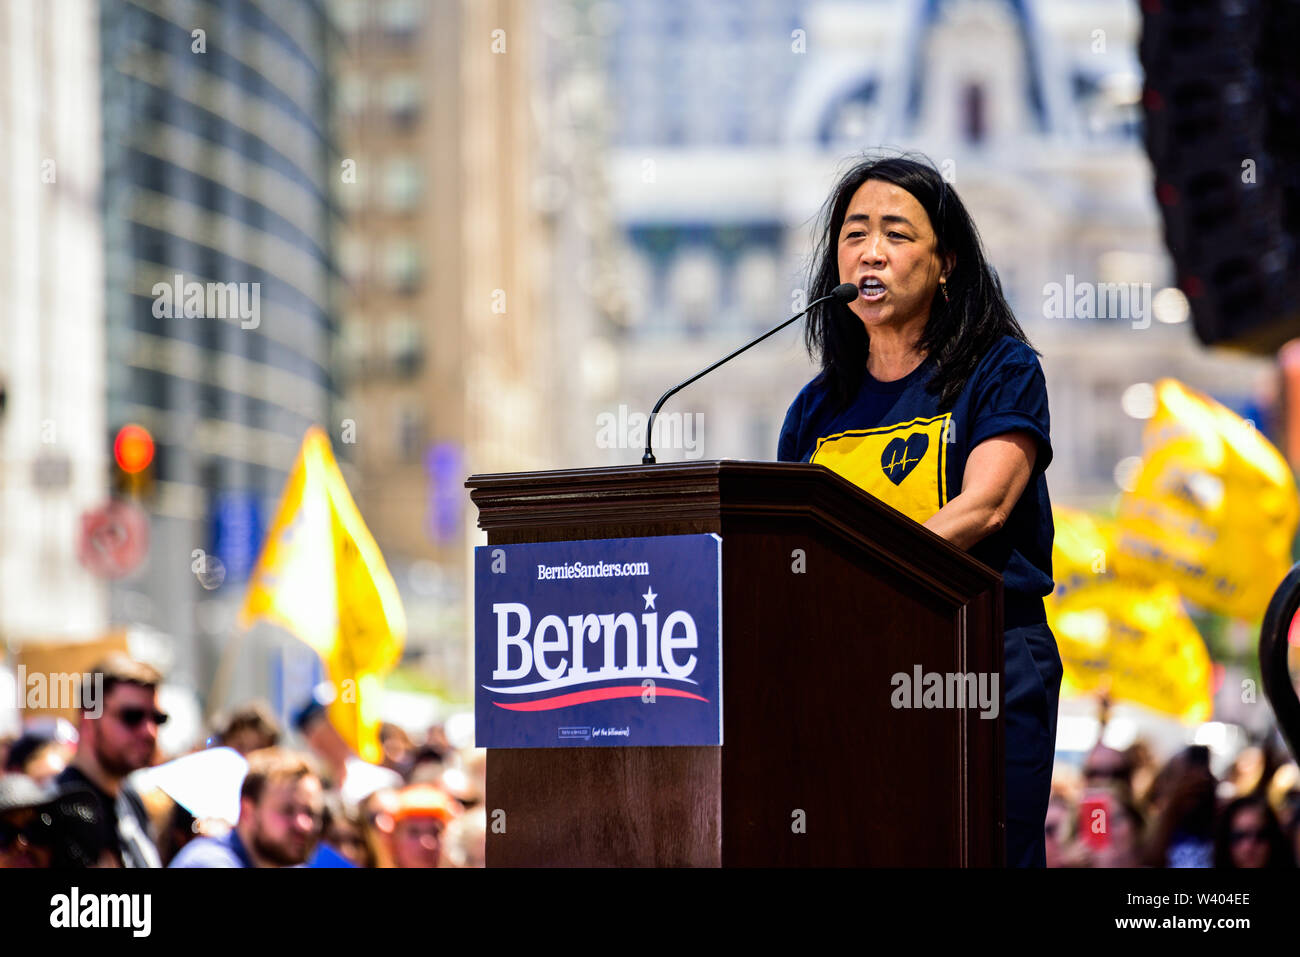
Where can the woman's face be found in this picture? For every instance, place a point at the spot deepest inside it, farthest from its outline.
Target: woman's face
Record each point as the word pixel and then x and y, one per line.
pixel 887 236
pixel 348 841
pixel 1249 839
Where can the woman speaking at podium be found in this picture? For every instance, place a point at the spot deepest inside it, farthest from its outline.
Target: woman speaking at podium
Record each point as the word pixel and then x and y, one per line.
pixel 931 398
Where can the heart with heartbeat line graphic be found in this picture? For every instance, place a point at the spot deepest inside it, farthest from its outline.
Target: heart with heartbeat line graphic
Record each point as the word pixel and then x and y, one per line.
pixel 901 455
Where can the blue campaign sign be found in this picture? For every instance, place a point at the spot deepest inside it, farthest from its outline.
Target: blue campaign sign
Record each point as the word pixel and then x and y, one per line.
pixel 613 643
pixel 236 521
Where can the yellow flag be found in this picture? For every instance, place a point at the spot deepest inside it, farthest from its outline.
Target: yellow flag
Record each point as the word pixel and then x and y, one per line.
pixel 322 577
pixel 1214 510
pixel 1130 638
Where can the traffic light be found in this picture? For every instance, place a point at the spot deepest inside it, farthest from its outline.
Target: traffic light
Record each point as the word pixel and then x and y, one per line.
pixel 133 454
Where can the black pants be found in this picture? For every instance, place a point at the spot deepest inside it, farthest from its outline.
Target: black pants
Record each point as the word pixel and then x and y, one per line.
pixel 1032 683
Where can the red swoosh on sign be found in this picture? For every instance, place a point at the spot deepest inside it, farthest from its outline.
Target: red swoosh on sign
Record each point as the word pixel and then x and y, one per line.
pixel 594 694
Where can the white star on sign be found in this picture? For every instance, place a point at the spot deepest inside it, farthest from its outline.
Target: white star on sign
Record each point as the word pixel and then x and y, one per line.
pixel 650 597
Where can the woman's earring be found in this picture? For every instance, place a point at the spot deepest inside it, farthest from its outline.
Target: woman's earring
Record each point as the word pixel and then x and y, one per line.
pixel 943 286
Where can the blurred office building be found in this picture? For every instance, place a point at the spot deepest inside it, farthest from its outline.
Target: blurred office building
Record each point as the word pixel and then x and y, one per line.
pixel 216 162
pixel 53 457
pixel 443 252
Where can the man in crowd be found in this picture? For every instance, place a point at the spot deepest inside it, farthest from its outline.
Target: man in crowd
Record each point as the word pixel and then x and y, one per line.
pixel 43 750
pixel 118 734
pixel 247 729
pixel 422 814
pixel 280 809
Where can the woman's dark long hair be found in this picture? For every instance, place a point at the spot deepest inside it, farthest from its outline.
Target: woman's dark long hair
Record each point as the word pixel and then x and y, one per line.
pixel 958 333
pixel 1280 853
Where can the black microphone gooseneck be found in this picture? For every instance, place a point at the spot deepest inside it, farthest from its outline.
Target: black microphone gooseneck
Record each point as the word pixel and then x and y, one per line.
pixel 845 293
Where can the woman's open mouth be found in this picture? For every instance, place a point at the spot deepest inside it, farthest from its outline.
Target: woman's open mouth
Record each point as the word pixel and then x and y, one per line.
pixel 872 290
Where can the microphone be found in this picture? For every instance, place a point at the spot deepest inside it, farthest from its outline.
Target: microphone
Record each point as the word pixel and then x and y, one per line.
pixel 844 292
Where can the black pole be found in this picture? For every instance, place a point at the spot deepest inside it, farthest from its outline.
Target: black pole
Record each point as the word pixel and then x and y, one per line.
pixel 1273 648
pixel 649 457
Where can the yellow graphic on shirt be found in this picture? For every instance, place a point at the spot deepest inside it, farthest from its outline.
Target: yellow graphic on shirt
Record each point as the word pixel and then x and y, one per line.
pixel 903 465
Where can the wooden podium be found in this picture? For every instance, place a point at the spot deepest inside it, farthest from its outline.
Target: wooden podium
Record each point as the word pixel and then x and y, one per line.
pixel 827 594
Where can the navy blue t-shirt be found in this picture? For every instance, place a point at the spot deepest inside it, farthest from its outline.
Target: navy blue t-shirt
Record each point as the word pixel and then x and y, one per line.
pixel 894 442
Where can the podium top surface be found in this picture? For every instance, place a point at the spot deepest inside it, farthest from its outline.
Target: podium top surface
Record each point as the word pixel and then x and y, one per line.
pixel 717 495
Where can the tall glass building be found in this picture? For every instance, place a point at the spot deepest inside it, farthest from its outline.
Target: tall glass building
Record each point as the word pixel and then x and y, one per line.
pixel 217 217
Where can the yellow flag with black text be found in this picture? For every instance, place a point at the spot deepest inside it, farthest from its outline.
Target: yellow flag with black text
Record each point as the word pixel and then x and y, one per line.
pixel 1214 507
pixel 321 576
pixel 1130 638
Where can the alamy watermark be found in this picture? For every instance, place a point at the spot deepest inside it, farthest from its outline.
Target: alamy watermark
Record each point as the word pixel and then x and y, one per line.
pixel 61 691
pixel 1098 300
pixel 672 430
pixel 934 689
pixel 131 912
pixel 212 300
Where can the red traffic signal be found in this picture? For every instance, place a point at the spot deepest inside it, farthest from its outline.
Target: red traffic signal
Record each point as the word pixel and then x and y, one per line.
pixel 133 449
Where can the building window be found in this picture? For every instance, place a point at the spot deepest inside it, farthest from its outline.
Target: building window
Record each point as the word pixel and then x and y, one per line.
pixel 973 118
pixel 849 121
pixel 1109 103
pixel 349 15
pixel 402 99
pixel 756 288
pixel 402 265
pixel 354 345
pixel 402 184
pixel 694 286
pixel 405 345
pixel 401 19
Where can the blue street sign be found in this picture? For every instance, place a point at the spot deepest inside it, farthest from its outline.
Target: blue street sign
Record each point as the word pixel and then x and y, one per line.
pixel 236 522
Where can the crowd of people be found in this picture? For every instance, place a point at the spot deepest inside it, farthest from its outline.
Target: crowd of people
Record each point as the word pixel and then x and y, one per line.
pixel 1123 809
pixel 72 797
